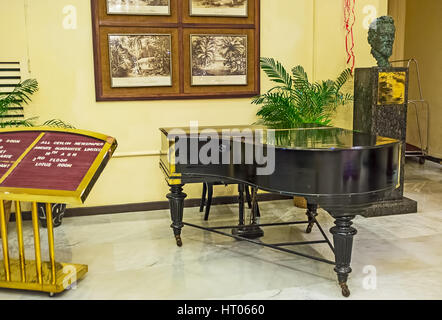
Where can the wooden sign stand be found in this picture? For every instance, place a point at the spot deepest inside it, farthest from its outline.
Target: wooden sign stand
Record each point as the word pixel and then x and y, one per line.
pixel 51 166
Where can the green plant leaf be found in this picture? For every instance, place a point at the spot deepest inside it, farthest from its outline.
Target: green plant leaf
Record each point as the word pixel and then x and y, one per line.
pixel 300 78
pixel 297 100
pixel 342 79
pixel 19 96
pixel 57 123
pixel 276 71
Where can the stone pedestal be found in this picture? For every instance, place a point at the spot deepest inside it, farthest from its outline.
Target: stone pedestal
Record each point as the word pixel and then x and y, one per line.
pixel 380 108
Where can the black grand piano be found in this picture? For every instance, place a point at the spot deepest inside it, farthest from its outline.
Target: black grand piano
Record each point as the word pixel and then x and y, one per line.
pixel 340 170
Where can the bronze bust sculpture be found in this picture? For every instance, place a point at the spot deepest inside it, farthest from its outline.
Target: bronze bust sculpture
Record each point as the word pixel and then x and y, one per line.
pixel 381 36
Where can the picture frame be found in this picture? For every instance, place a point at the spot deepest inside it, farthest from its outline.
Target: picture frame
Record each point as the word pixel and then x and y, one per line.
pixel 138 7
pixel 219 8
pixel 140 60
pixel 218 59
pixel 179 25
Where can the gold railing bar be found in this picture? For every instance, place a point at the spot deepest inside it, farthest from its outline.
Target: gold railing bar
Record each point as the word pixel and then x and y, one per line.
pixel 50 227
pixel 21 247
pixel 4 234
pixel 36 241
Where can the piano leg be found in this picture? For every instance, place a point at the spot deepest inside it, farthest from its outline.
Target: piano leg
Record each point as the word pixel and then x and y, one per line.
pixel 343 234
pixel 176 202
pixel 311 214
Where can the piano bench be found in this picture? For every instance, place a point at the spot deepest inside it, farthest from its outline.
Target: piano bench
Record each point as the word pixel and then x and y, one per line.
pixel 208 190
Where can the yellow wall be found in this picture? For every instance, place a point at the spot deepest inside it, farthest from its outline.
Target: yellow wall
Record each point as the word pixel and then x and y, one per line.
pixel 306 32
pixel 329 43
pixel 423 42
pixel 397 9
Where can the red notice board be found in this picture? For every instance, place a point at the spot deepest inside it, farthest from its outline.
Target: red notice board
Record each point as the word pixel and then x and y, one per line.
pixel 51 165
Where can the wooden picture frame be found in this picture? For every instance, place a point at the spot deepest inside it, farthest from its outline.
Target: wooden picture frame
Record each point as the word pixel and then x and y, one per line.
pixel 220 9
pixel 179 26
pixel 138 7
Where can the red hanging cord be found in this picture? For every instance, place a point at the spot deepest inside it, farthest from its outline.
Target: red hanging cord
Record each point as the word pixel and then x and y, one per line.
pixel 349 20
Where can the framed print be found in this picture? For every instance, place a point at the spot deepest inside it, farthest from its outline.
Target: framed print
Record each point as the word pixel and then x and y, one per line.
pixel 140 60
pixel 138 7
pixel 218 59
pixel 223 8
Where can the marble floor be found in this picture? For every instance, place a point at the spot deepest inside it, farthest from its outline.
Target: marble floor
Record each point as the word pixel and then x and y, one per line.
pixel 134 256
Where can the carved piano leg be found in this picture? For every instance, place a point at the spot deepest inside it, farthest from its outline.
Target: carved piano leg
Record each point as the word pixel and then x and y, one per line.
pixel 311 214
pixel 343 234
pixel 176 201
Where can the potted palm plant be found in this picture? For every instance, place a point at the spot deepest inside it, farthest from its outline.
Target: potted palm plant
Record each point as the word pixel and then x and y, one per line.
pixel 294 100
pixel 12 102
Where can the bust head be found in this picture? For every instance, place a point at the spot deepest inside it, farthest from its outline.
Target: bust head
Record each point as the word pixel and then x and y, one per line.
pixel 381 38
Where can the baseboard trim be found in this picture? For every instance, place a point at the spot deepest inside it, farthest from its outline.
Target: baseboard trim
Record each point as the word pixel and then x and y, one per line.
pixel 160 205
pixel 149 206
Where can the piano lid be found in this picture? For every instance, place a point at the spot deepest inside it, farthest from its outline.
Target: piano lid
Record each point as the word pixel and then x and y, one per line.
pixel 309 136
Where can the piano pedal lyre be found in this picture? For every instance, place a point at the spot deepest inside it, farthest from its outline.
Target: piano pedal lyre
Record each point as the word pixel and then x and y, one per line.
pixel 36 275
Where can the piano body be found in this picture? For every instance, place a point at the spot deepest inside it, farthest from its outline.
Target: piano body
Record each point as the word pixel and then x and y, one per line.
pixel 340 170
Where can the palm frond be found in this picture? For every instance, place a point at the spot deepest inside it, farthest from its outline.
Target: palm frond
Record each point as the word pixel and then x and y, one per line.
pixel 57 123
pixel 342 79
pixel 297 100
pixel 300 77
pixel 279 111
pixel 20 94
pixel 18 123
pixel 276 71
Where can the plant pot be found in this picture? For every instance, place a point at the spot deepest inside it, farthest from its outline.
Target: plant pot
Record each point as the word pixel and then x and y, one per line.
pixel 300 202
pixel 58 210
pixel 7 205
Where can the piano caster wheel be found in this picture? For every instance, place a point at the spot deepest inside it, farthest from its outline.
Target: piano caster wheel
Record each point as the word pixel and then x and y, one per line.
pixel 179 242
pixel 345 290
pixel 51 294
pixel 309 228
